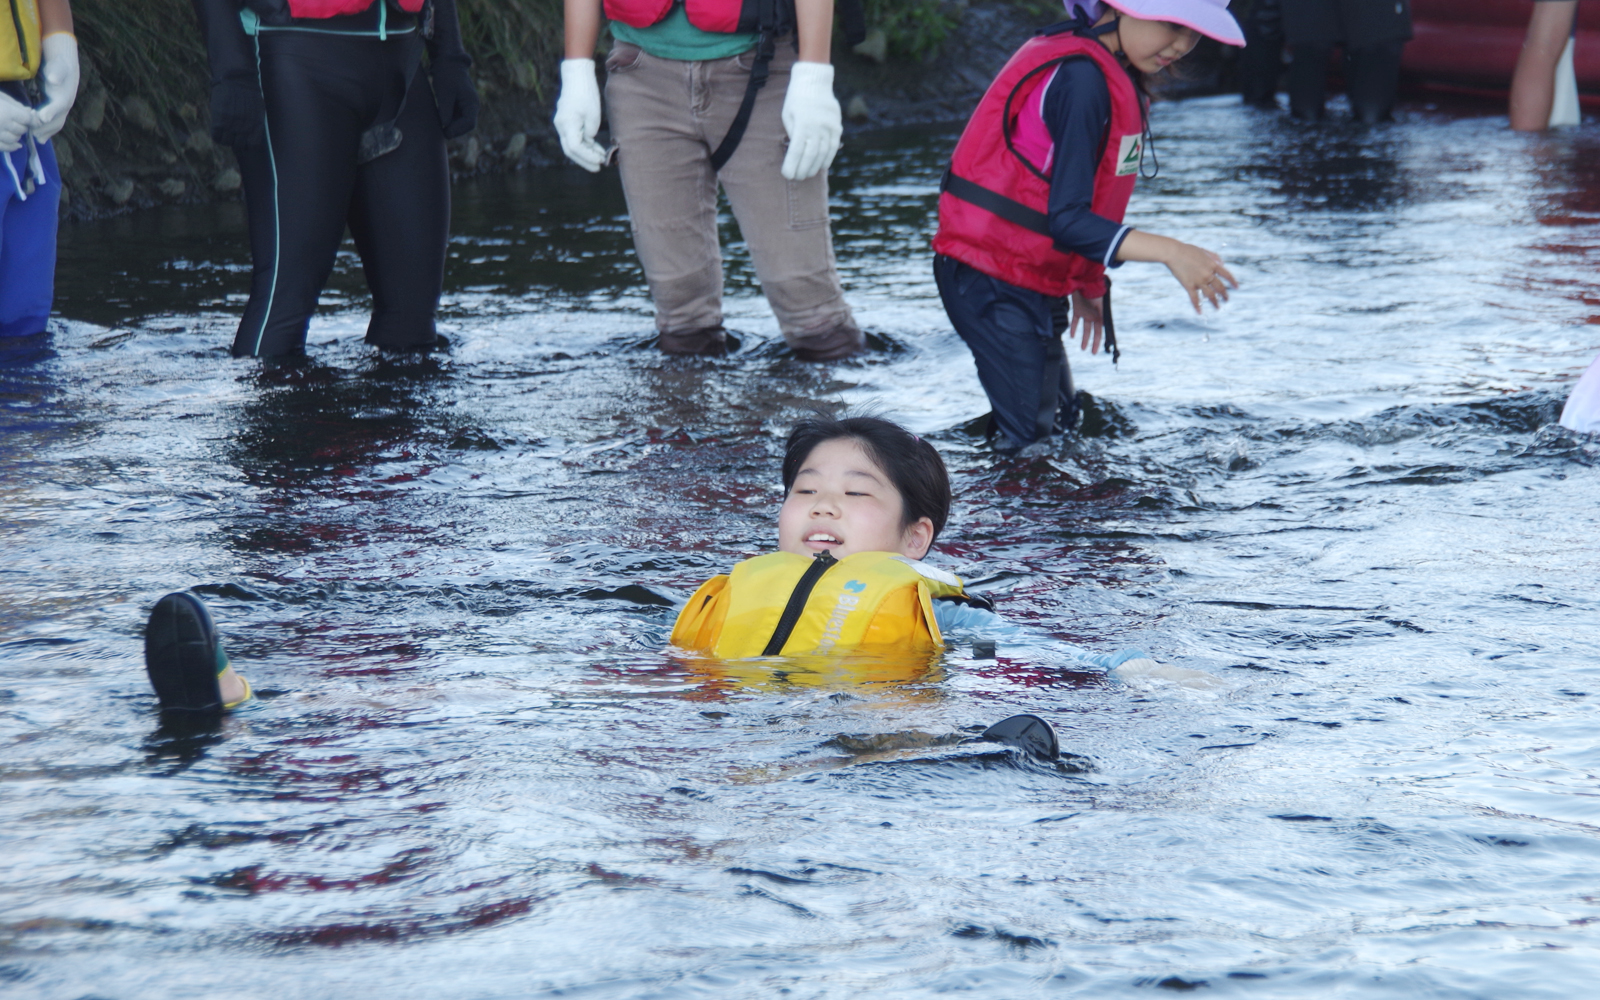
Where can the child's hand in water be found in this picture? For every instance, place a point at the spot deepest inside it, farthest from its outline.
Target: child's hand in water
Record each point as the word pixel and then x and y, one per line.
pixel 1090 313
pixel 1200 272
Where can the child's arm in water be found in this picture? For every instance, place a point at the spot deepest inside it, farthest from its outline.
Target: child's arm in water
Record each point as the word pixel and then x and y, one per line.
pixel 964 623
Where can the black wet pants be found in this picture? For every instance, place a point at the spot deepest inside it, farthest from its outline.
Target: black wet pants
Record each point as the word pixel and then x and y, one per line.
pixel 1372 80
pixel 303 185
pixel 1015 338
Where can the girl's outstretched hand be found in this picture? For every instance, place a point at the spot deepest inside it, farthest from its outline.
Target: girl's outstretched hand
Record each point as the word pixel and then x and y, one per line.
pixel 1200 272
pixel 1091 314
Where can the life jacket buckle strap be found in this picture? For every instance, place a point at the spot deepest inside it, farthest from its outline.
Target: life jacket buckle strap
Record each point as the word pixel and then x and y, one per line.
pixel 823 562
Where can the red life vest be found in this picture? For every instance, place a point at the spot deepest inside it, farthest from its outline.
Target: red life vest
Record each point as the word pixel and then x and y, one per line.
pixel 335 8
pixel 724 17
pixel 987 177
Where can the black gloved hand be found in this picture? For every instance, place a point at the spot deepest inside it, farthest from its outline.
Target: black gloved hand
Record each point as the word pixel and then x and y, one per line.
pixel 238 112
pixel 455 95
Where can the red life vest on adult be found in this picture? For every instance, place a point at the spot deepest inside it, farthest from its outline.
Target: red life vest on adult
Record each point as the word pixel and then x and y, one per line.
pixel 721 16
pixel 336 8
pixel 993 205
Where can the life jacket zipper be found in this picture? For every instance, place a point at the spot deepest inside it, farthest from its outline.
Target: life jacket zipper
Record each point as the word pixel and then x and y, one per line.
pixel 823 562
pixel 22 36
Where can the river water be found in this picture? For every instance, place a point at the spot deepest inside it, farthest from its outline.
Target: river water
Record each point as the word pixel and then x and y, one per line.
pixel 474 772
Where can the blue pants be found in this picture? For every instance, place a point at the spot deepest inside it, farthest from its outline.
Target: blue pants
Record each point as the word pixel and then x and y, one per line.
pixel 1015 338
pixel 28 222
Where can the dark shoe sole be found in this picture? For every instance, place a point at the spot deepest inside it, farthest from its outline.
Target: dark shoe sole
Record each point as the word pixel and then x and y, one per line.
pixel 180 655
pixel 1028 733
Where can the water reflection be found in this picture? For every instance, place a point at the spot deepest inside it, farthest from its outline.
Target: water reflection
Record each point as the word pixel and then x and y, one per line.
pixel 1337 168
pixel 452 581
pixel 880 677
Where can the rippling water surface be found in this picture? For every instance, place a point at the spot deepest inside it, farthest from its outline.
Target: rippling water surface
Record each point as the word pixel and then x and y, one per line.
pixel 473 771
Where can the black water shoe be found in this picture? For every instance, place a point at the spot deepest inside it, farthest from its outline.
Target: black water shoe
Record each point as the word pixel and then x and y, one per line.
pixel 183 655
pixel 1028 733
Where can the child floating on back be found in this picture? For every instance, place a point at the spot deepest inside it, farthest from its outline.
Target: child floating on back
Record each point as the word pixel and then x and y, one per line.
pixel 865 500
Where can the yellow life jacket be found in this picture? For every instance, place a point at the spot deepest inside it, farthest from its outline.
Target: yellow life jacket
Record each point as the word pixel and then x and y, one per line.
pixel 20 53
pixel 785 604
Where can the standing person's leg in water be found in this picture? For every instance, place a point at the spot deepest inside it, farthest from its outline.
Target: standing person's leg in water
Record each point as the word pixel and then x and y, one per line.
pixel 29 213
pixel 400 221
pixel 1261 62
pixel 1312 28
pixel 1375 35
pixel 311 105
pixel 667 115
pixel 322 92
pixel 1533 83
pixel 298 179
pixel 1372 80
pixel 671 192
pixel 30 184
pixel 785 222
pixel 1015 338
pixel 1308 80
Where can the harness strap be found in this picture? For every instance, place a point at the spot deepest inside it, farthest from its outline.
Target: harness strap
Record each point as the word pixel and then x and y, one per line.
pixel 1110 325
pixel 823 562
pixel 852 22
pixel 995 203
pixel 759 71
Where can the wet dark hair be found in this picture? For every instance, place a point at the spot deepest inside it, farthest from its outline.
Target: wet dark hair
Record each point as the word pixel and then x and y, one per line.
pixel 914 469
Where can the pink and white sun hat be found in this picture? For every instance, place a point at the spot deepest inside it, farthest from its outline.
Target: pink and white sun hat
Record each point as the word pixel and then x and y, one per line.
pixel 1209 17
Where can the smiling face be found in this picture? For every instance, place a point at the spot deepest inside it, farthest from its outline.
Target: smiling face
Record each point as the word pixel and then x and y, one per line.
pixel 843 503
pixel 1151 46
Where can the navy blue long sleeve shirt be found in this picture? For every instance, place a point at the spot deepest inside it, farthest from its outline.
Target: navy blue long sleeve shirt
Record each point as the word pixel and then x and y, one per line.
pixel 1077 112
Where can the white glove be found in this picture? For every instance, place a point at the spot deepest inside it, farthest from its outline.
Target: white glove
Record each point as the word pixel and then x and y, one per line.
pixel 60 77
pixel 578 114
pixel 812 118
pixel 15 120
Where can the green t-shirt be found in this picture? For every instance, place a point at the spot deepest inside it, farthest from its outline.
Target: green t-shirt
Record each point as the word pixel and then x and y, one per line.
pixel 673 37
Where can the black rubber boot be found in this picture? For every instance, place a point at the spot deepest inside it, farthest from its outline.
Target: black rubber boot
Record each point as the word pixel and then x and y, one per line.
pixel 182 653
pixel 1028 733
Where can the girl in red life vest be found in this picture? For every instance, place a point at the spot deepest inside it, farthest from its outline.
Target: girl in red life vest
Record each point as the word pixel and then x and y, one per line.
pixel 1030 213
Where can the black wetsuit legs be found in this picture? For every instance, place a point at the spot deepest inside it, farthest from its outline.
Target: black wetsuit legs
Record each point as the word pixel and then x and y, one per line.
pixel 1308 80
pixel 1373 81
pixel 303 185
pixel 400 220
